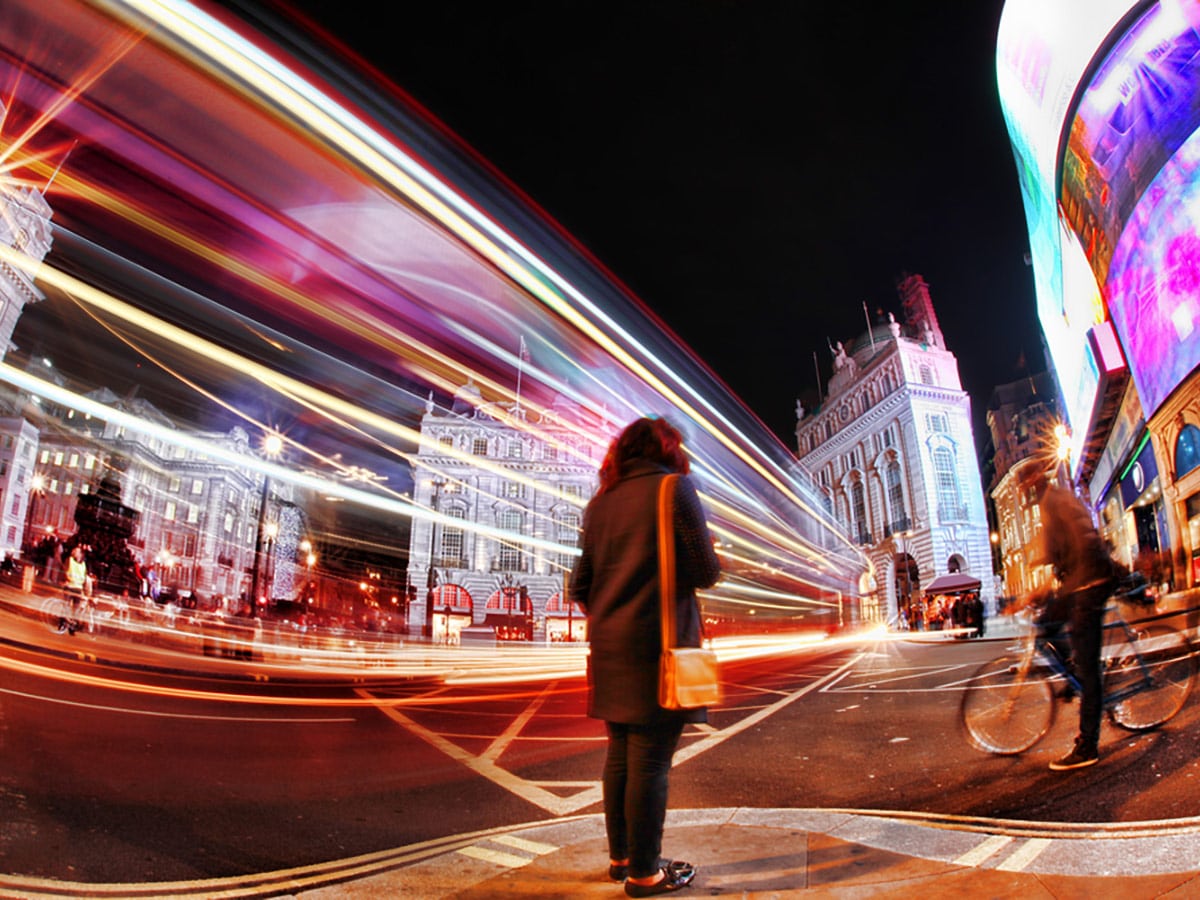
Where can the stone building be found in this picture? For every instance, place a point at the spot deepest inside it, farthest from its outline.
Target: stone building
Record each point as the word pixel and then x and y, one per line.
pixel 1022 417
pixel 891 446
pixel 518 484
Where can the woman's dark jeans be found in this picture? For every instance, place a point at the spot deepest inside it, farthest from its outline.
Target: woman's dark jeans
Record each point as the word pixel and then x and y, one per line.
pixel 635 791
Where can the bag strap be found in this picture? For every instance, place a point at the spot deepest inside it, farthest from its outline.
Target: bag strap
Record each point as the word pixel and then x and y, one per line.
pixel 666 559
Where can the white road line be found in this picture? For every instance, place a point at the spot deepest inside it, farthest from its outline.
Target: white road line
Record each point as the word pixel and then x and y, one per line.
pixel 741 725
pixel 169 715
pixel 520 843
pixel 508 860
pixel 500 744
pixel 1024 855
pixel 983 850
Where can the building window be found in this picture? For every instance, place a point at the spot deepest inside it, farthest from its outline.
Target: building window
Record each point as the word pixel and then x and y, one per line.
pixel 514 489
pixel 197 487
pixel 858 499
pixel 568 536
pixel 169 511
pixel 510 553
pixel 895 493
pixel 479 447
pixel 1187 450
pixel 949 499
pixel 173 485
pixel 926 375
pixel 446 441
pixel 514 450
pixel 937 423
pixel 452 542
pixel 549 452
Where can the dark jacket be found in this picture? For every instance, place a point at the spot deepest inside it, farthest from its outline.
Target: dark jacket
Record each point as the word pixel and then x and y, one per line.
pixel 1071 544
pixel 616 582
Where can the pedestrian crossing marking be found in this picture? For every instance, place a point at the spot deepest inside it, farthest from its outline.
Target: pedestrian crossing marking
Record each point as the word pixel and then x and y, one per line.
pixel 1024 855
pixel 508 860
pixel 983 850
pixel 520 843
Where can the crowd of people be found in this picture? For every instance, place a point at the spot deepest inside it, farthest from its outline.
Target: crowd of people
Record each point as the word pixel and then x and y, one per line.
pixel 946 611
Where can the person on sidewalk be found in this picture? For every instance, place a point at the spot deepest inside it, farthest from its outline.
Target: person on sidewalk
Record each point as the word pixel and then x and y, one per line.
pixel 1087 576
pixel 616 582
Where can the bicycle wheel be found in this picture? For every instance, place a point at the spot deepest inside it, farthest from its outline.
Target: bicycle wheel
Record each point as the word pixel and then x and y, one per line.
pixel 1007 707
pixel 54 613
pixel 1165 683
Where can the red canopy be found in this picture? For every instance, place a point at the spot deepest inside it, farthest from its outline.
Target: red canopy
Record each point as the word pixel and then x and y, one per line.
pixel 953 583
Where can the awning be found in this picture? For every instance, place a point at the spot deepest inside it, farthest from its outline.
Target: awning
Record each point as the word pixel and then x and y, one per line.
pixel 953 583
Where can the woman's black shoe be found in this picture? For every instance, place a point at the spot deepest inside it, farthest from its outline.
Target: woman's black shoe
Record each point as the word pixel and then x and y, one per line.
pixel 676 875
pixel 620 871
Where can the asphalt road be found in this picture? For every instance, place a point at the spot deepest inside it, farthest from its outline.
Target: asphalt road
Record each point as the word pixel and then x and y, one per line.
pixel 113 769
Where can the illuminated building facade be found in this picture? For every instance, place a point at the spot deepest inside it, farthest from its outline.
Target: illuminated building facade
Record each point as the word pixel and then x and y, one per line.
pixel 1102 102
pixel 519 484
pixel 196 513
pixel 891 447
pixel 25 228
pixel 1021 417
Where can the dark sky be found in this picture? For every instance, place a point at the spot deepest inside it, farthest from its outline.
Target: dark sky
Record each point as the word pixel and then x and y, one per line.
pixel 753 170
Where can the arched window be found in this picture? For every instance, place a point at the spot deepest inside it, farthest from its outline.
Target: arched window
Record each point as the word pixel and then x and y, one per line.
pixel 1187 450
pixel 895 494
pixel 950 508
pixel 858 499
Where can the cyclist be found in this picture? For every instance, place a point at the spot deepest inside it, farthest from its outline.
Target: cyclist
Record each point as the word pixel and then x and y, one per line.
pixel 76 584
pixel 1087 576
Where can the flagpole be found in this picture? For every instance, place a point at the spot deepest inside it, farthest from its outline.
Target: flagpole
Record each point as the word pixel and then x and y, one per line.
pixel 817 369
pixel 520 369
pixel 870 331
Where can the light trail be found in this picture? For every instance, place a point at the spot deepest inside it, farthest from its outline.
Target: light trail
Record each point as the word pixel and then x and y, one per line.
pixel 346 279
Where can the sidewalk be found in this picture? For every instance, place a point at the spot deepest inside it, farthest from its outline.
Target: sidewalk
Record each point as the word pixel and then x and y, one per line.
pixel 781 853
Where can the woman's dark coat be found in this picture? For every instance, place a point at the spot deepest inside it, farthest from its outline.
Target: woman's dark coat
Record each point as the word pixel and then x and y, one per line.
pixel 616 582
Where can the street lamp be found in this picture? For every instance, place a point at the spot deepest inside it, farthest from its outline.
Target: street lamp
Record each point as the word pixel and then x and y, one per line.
pixel 1062 450
pixel 272 446
pixel 431 577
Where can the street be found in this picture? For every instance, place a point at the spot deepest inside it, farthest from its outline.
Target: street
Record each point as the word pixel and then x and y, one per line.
pixel 126 772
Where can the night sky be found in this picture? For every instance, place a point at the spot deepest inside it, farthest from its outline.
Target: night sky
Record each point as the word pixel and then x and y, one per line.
pixel 754 171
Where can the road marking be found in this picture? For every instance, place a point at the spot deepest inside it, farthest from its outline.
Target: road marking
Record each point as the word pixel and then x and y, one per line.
pixel 983 850
pixel 520 843
pixel 508 860
pixel 1024 855
pixel 170 715
pixel 500 744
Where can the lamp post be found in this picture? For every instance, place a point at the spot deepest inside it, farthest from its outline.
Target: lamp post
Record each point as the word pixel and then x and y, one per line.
pixel 37 487
pixel 1062 450
pixel 431 577
pixel 272 445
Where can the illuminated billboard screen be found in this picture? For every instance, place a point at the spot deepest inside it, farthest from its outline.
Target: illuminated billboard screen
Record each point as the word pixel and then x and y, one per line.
pixel 1154 280
pixel 1138 109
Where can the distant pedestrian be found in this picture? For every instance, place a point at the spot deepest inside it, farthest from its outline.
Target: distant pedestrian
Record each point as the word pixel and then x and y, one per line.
pixel 616 582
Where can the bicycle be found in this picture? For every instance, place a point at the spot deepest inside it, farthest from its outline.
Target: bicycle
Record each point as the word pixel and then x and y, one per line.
pixel 63 616
pixel 1148 668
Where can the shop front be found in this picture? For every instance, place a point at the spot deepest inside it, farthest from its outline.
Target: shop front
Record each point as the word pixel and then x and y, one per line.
pixel 564 622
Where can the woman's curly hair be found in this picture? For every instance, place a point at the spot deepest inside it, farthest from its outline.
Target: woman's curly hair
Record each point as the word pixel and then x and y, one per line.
pixel 648 438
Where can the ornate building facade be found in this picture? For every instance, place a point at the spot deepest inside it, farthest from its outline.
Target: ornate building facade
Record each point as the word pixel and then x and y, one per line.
pixel 1021 417
pixel 892 448
pixel 507 493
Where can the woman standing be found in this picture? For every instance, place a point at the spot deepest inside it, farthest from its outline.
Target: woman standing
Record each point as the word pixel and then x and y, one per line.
pixel 616 582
